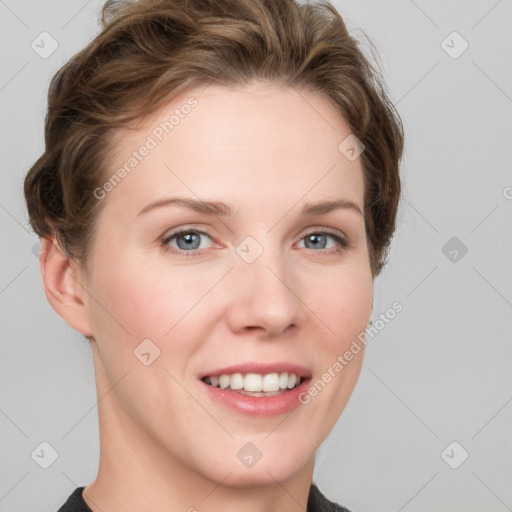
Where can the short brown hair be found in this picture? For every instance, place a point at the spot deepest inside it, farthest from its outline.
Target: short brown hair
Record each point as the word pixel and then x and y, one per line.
pixel 150 50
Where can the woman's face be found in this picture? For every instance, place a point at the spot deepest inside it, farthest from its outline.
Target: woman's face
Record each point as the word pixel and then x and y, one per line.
pixel 265 285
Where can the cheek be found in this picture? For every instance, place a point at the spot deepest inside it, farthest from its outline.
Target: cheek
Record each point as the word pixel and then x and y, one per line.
pixel 140 304
pixel 356 300
pixel 345 305
pixel 136 295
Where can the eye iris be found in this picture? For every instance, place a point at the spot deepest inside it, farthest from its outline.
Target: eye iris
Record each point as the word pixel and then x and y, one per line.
pixel 317 240
pixel 192 241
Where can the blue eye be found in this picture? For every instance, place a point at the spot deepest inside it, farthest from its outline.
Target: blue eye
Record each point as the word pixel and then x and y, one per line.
pixel 186 241
pixel 189 242
pixel 319 240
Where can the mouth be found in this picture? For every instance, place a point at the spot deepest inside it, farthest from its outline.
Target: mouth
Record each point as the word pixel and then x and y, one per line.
pixel 255 384
pixel 257 389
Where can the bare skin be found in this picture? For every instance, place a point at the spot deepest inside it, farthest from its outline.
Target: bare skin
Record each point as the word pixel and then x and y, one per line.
pixel 165 443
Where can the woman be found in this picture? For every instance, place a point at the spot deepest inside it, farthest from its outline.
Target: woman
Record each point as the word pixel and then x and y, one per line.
pixel 217 194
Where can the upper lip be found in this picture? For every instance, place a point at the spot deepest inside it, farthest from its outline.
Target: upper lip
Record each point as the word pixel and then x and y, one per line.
pixel 261 368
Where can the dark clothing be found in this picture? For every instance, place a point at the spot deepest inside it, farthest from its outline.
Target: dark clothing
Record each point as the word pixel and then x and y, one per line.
pixel 317 502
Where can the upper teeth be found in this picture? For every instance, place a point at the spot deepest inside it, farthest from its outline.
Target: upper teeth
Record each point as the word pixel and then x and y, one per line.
pixel 255 382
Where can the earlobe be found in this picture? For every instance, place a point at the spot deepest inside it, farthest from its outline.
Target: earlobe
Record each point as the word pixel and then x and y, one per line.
pixel 63 287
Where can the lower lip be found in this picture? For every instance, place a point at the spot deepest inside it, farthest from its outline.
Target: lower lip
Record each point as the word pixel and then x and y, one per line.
pixel 258 406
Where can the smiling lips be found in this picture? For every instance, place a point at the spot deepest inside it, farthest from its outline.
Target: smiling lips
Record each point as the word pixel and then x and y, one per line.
pixel 256 388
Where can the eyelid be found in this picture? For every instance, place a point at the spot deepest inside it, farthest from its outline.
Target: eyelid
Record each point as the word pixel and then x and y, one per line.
pixel 326 230
pixel 185 229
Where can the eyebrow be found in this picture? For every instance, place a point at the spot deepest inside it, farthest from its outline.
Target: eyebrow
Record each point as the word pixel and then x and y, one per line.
pixel 223 209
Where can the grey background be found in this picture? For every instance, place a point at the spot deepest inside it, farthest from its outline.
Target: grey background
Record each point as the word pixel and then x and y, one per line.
pixel 439 372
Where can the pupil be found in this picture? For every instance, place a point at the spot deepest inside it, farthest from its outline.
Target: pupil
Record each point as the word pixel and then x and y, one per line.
pixel 191 240
pixel 317 240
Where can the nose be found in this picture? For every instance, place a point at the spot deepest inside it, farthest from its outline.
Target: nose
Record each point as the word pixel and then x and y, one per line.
pixel 263 296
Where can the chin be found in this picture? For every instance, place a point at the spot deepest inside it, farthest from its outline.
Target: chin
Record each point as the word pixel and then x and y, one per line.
pixel 259 477
pixel 277 466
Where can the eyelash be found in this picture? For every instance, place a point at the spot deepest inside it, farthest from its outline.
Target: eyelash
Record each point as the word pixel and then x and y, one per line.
pixel 343 243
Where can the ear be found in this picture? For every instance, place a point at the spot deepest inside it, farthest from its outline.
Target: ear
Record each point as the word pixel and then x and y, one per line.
pixel 64 286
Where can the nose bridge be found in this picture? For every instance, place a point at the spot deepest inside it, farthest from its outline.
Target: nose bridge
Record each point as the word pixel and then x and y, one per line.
pixel 264 296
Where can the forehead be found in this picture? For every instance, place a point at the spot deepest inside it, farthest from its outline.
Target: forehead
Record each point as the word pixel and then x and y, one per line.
pixel 260 141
